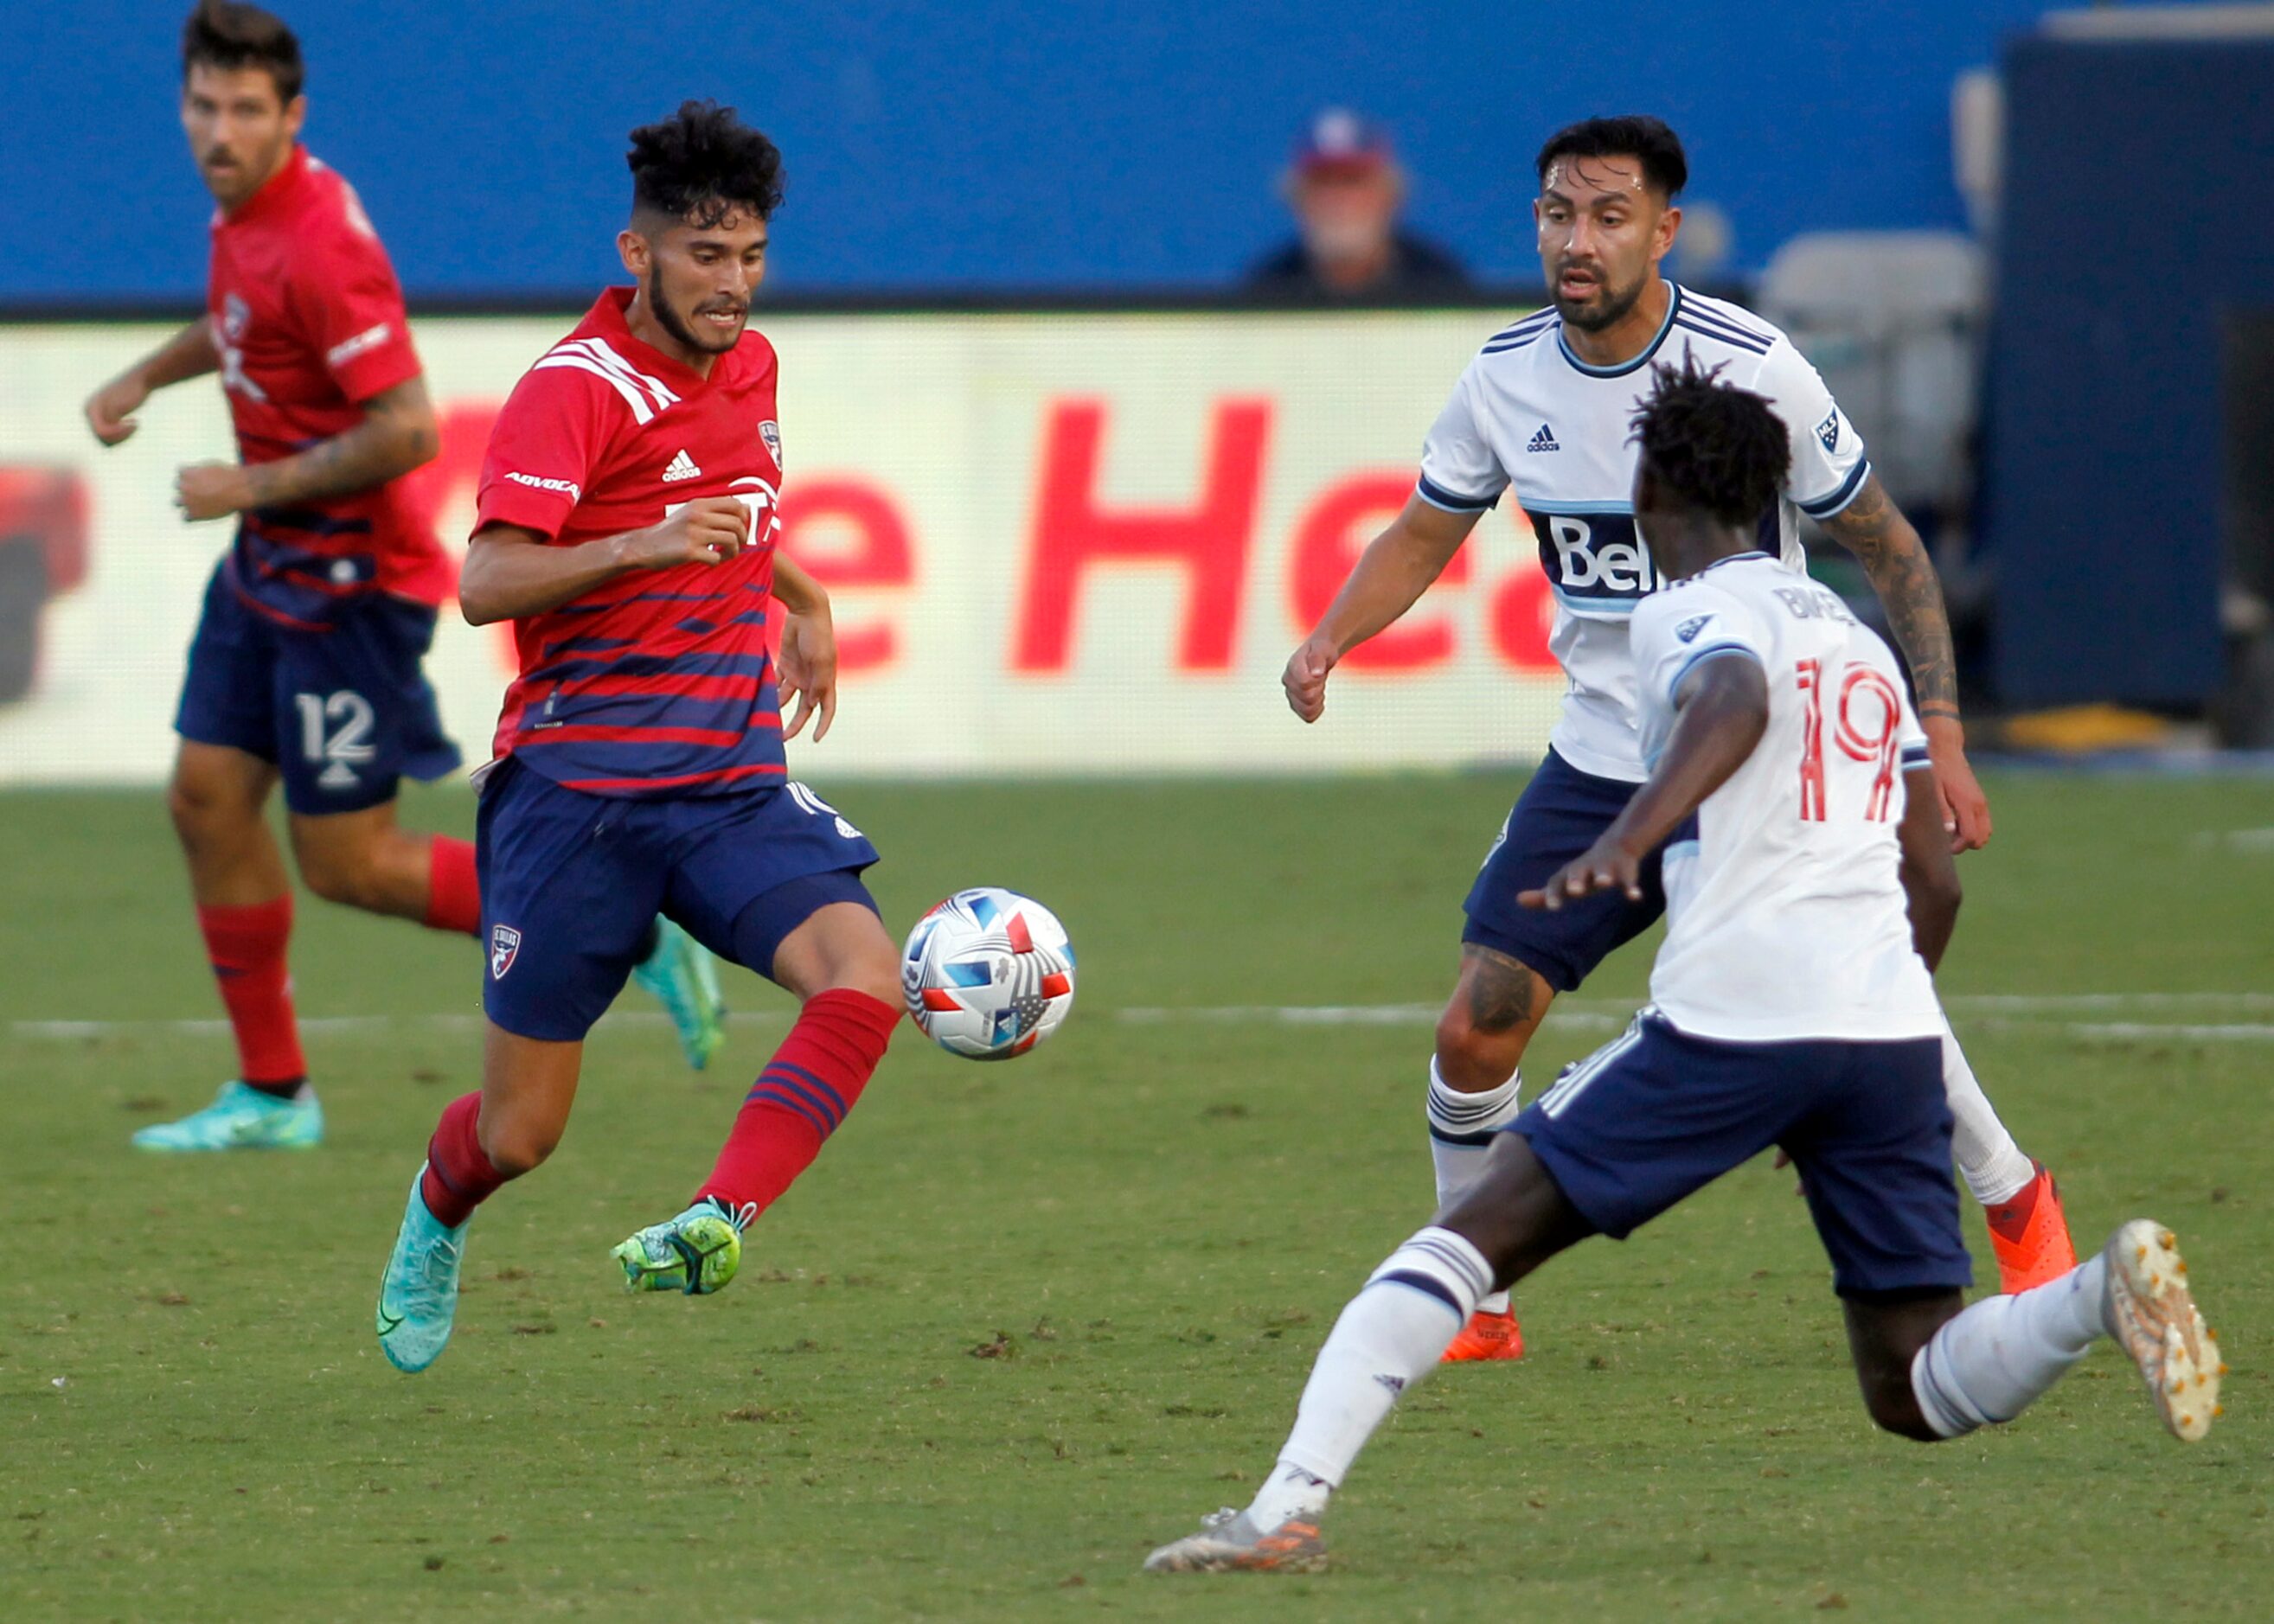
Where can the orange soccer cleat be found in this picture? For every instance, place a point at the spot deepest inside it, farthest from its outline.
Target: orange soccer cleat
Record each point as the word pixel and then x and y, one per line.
pixel 1491 1336
pixel 2029 1234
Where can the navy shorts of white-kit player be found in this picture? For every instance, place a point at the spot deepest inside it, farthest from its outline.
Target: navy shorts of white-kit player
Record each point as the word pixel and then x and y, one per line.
pixel 1561 812
pixel 1658 1113
pixel 571 883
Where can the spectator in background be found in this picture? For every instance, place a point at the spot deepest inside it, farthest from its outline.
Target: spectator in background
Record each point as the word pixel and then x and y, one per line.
pixel 1346 190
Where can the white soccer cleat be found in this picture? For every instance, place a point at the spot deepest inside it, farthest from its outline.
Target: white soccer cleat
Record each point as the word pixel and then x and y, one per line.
pixel 2152 1314
pixel 1229 1542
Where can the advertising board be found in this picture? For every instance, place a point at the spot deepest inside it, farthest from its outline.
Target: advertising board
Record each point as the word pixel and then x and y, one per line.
pixel 1056 544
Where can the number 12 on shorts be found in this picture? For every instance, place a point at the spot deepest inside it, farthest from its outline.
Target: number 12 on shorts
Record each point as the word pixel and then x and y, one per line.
pixel 336 730
pixel 1863 690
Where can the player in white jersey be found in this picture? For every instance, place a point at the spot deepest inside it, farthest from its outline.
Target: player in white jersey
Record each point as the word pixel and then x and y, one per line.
pixel 1810 891
pixel 1542 412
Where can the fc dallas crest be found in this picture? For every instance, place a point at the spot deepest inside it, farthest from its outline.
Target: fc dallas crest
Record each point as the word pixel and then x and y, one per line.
pixel 505 942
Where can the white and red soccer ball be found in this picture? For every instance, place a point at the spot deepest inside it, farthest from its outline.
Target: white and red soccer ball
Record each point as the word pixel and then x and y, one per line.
pixel 987 973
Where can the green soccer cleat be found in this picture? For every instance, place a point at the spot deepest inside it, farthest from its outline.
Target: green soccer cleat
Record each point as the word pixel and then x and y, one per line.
pixel 240 1118
pixel 419 1294
pixel 696 1252
pixel 684 978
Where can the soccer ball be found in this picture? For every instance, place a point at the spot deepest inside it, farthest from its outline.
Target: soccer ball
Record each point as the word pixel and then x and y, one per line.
pixel 987 973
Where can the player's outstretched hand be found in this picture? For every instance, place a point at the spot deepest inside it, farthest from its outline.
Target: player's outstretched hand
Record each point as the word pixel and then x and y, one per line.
pixel 1965 808
pixel 1306 677
pixel 806 670
pixel 210 490
pixel 710 530
pixel 110 410
pixel 1604 866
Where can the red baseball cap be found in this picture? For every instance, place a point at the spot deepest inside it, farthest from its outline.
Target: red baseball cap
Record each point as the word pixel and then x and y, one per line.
pixel 1340 141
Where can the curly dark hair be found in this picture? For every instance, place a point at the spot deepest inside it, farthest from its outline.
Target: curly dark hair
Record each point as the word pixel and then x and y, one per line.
pixel 704 163
pixel 1632 135
pixel 223 34
pixel 1716 447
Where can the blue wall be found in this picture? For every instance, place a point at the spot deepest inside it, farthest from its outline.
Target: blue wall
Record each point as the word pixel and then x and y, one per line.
pixel 2127 241
pixel 1076 142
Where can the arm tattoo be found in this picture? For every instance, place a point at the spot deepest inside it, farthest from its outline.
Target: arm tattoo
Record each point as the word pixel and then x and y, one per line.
pixel 1874 530
pixel 396 435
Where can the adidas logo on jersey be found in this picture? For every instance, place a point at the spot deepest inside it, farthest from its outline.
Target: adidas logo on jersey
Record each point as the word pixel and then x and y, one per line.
pixel 1544 440
pixel 683 467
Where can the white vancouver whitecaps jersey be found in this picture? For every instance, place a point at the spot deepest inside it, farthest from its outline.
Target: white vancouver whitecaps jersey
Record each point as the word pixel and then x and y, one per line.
pixel 1528 413
pixel 1786 916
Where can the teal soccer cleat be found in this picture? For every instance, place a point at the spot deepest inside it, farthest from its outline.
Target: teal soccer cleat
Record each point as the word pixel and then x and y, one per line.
pixel 696 1252
pixel 684 978
pixel 240 1118
pixel 419 1294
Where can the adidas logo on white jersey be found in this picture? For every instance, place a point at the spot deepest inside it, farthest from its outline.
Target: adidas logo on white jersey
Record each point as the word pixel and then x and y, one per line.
pixel 683 467
pixel 1544 440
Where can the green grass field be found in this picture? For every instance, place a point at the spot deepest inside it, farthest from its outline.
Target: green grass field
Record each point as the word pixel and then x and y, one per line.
pixel 1023 1322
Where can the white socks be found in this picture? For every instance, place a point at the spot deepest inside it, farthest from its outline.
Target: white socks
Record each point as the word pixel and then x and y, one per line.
pixel 1392 1333
pixel 1462 1127
pixel 1989 1362
pixel 1993 1166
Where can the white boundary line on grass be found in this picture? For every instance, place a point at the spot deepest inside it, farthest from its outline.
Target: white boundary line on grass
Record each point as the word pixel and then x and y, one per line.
pixel 1989 1012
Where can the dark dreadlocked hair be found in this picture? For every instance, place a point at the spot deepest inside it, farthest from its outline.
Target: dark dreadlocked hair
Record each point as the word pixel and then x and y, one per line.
pixel 1717 447
pixel 704 163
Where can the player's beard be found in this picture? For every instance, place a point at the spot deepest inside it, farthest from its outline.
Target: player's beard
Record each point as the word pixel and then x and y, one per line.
pixel 669 318
pixel 1606 309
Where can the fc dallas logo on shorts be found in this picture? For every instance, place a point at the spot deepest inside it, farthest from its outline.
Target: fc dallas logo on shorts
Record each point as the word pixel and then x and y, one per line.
pixel 505 942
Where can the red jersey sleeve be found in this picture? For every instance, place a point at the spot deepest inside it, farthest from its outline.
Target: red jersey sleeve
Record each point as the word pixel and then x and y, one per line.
pixel 351 306
pixel 543 450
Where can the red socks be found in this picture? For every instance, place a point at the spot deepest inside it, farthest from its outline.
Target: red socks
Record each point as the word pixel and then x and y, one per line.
pixel 453 893
pixel 814 1078
pixel 246 946
pixel 458 1177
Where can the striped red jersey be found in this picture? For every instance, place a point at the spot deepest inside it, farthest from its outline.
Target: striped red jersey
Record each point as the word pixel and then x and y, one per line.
pixel 657 682
pixel 308 318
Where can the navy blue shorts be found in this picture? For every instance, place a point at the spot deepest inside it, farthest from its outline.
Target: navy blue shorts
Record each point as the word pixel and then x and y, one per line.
pixel 570 882
pixel 1658 1114
pixel 1559 815
pixel 344 712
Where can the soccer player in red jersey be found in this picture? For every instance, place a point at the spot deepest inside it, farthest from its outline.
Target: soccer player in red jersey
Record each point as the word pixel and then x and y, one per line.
pixel 307 663
pixel 626 524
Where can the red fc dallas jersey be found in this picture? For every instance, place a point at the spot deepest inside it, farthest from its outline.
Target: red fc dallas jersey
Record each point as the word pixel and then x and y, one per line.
pixel 657 682
pixel 309 321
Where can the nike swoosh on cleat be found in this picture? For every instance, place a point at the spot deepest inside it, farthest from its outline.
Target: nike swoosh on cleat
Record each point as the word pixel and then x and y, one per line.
pixel 387 1328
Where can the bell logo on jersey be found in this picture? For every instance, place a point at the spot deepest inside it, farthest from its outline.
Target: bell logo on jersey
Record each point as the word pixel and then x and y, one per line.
pixel 1597 560
pixel 505 942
